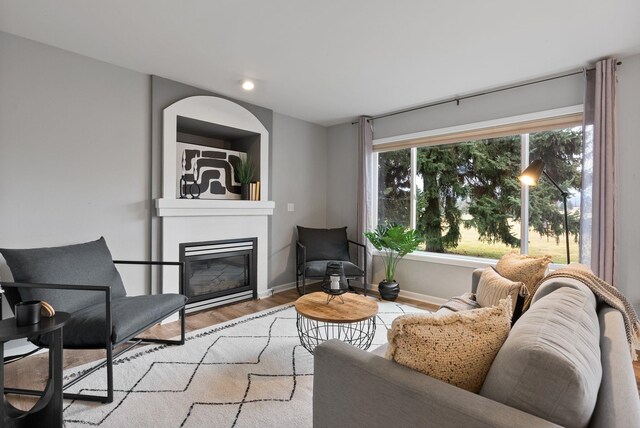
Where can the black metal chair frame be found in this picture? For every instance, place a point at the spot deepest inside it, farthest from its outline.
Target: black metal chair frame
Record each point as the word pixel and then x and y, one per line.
pixel 108 332
pixel 301 259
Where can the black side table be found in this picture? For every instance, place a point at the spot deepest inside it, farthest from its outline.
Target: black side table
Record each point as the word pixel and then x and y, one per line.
pixel 47 412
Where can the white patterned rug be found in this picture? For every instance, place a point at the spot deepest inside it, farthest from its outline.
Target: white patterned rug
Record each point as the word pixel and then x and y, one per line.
pixel 248 372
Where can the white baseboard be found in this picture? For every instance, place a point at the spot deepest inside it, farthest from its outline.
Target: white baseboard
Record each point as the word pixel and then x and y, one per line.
pixel 20 346
pixel 433 300
pixel 276 289
pixel 280 288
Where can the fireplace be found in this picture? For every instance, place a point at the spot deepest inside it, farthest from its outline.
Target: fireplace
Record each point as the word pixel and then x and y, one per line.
pixel 194 222
pixel 219 272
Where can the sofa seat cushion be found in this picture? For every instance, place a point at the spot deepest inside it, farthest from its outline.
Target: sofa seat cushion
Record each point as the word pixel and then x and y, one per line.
pixel 318 269
pixel 465 302
pixel 549 366
pixel 457 348
pixel 89 263
pixel 86 328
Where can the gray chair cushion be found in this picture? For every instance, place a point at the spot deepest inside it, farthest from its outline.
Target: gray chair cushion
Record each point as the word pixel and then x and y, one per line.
pixel 80 264
pixel 324 244
pixel 86 328
pixel 318 268
pixel 550 366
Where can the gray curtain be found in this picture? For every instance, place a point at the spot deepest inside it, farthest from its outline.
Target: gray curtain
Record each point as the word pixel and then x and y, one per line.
pixel 600 133
pixel 365 177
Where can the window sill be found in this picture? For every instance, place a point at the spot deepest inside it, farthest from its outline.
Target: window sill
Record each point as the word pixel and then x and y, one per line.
pixel 445 259
pixel 455 260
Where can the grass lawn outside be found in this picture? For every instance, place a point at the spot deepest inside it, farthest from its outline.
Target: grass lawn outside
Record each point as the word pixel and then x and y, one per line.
pixel 470 245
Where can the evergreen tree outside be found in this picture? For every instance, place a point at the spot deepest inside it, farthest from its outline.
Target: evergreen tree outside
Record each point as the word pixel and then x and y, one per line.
pixel 394 187
pixel 474 184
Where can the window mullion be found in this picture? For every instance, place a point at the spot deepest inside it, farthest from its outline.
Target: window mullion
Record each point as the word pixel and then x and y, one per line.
pixel 413 171
pixel 524 196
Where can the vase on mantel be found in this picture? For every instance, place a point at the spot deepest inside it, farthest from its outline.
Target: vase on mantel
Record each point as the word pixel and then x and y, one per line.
pixel 244 191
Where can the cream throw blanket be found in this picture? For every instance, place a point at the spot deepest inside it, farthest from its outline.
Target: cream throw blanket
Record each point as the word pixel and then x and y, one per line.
pixel 609 294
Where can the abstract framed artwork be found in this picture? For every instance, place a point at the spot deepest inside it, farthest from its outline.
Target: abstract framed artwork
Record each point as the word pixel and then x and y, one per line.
pixel 206 172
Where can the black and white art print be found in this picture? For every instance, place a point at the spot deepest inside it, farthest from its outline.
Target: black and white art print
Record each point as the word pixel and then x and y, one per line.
pixel 207 172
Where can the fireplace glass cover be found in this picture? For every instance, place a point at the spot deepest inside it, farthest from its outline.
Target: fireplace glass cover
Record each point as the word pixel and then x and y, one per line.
pixel 212 275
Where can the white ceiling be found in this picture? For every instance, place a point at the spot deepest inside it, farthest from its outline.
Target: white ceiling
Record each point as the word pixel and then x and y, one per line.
pixel 328 61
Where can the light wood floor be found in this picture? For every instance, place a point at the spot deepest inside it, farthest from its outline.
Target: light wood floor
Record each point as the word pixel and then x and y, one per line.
pixel 31 372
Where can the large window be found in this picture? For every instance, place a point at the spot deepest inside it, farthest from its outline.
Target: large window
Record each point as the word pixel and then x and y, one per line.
pixel 465 198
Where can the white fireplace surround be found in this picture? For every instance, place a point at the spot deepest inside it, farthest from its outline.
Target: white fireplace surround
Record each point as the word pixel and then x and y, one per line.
pixel 196 220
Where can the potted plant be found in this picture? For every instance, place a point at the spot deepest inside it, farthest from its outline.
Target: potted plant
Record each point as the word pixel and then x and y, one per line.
pixel 244 171
pixel 396 241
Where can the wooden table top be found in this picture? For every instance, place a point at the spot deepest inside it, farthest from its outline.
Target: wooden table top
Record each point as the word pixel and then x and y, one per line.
pixel 355 308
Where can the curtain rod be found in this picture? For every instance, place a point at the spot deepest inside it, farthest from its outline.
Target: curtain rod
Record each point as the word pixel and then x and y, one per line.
pixel 478 94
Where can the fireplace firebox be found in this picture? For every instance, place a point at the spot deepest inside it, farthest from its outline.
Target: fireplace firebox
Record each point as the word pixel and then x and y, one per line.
pixel 219 272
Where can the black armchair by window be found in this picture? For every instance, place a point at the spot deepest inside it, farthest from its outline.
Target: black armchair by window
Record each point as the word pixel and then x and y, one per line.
pixel 317 247
pixel 82 280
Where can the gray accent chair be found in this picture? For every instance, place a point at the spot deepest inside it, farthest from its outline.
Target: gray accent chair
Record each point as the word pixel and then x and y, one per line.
pixel 354 388
pixel 82 280
pixel 315 248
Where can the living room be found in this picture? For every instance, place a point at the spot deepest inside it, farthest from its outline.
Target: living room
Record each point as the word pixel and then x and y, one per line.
pixel 84 88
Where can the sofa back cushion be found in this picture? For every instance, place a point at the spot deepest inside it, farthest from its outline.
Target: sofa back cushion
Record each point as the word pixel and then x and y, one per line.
pixel 324 244
pixel 89 263
pixel 549 366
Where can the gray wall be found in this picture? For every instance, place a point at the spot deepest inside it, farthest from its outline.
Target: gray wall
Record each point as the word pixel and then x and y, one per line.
pixel 342 174
pixel 418 276
pixel 74 144
pixel 298 176
pixel 628 204
pixel 557 93
pixel 78 138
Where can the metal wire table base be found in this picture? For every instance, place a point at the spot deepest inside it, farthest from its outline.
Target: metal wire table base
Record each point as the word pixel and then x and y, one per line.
pixel 312 332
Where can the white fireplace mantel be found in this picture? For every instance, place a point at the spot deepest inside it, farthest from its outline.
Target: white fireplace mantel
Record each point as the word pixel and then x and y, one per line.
pixel 167 207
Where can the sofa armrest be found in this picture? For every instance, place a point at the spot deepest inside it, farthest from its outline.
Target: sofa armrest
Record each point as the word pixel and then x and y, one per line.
pixel 354 388
pixel 618 404
pixel 475 279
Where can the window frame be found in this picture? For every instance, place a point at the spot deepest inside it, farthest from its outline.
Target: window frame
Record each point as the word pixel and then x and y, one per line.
pixel 444 136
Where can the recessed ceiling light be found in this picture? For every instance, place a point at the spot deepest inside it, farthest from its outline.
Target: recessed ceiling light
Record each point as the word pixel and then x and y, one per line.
pixel 248 85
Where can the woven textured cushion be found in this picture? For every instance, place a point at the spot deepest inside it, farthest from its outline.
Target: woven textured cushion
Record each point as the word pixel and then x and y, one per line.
pixel 325 244
pixel 550 364
pixel 80 264
pixel 523 268
pixel 493 287
pixel 456 348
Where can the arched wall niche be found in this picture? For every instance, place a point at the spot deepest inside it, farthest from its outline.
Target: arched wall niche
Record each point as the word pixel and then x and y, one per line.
pixel 215 122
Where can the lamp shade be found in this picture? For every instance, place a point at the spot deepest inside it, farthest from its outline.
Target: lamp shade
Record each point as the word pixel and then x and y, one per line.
pixel 532 173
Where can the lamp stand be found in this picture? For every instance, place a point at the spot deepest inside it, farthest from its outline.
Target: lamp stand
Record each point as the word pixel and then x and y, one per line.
pixel 566 213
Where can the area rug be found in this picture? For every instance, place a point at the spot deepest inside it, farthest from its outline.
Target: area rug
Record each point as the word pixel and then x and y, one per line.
pixel 248 372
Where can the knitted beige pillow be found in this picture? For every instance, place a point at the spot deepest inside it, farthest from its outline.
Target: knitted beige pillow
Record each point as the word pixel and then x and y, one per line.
pixel 493 287
pixel 456 348
pixel 524 268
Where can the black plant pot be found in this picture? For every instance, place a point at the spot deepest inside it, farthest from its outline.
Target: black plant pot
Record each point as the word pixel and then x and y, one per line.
pixel 388 290
pixel 244 191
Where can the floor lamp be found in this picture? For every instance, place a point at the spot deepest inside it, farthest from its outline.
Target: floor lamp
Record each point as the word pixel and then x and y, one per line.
pixel 530 177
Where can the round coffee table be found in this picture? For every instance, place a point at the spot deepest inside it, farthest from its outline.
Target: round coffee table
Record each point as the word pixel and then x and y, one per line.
pixel 353 321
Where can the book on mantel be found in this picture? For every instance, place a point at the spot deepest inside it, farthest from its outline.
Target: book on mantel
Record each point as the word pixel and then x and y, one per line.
pixel 254 191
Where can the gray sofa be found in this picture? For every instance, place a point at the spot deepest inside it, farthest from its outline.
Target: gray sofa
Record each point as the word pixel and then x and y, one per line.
pixel 355 388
